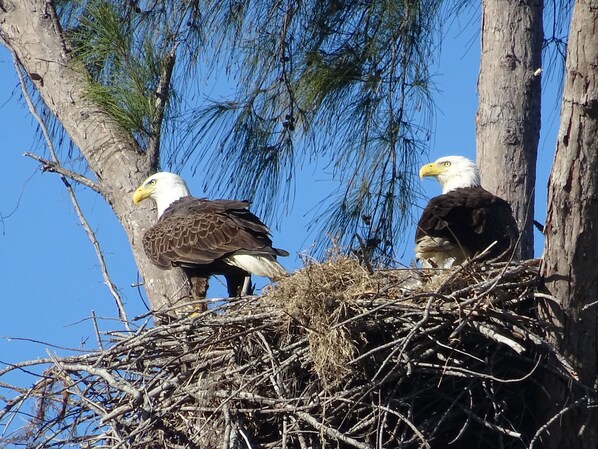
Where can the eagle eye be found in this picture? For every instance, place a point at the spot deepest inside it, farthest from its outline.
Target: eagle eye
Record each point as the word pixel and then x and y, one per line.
pixel 152 182
pixel 446 163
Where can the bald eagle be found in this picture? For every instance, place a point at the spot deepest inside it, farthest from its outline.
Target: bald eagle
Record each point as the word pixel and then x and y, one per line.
pixel 465 220
pixel 206 237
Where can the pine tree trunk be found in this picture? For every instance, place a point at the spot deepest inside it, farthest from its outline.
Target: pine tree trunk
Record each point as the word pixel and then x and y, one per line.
pixel 508 117
pixel 30 29
pixel 569 268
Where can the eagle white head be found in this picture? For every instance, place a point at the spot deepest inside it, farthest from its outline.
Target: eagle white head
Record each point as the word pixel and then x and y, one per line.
pixel 164 188
pixel 452 172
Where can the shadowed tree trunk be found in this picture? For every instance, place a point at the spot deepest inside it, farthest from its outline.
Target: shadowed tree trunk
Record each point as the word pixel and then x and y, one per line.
pixel 508 117
pixel 571 249
pixel 31 30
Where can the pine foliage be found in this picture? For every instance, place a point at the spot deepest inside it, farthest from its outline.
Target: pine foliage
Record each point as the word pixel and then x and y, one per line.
pixel 346 84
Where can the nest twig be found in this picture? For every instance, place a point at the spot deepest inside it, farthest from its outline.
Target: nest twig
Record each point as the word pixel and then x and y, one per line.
pixel 333 356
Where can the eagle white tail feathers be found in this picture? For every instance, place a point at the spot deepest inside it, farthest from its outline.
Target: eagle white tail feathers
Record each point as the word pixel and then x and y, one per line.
pixel 264 265
pixel 437 252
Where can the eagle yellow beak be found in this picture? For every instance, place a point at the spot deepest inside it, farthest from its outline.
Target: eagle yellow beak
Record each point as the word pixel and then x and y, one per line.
pixel 141 193
pixel 432 169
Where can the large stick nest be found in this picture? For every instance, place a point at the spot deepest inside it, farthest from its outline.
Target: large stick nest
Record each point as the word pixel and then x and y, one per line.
pixel 332 356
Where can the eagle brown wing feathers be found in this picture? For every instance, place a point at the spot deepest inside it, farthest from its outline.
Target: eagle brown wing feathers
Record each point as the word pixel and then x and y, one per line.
pixel 195 232
pixel 471 217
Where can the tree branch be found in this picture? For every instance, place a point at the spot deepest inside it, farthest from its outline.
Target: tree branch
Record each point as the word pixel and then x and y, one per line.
pixel 96 246
pixel 55 166
pixel 162 95
pixel 27 27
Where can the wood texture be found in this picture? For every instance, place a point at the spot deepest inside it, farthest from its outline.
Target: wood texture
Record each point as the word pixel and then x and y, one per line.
pixel 508 117
pixel 31 30
pixel 571 250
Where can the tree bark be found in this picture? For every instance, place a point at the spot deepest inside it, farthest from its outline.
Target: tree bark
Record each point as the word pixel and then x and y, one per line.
pixel 508 117
pixel 569 268
pixel 31 30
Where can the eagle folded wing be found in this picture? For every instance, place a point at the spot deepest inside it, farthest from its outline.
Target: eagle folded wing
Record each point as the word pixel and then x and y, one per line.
pixel 194 231
pixel 465 222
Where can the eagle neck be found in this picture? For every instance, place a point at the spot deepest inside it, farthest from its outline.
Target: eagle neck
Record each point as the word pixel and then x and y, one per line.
pixel 164 201
pixel 460 182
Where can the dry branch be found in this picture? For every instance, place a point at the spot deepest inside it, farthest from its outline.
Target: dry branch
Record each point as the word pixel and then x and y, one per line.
pixel 333 356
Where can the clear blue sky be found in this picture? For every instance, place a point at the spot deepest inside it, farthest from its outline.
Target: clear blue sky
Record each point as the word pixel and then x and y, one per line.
pixel 49 273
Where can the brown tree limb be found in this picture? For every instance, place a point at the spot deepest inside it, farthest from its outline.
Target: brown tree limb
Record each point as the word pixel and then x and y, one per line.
pixel 31 30
pixel 55 166
pixel 162 98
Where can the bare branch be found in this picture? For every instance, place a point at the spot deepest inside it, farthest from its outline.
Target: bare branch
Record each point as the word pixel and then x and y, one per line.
pixel 162 95
pixel 55 166
pixel 99 254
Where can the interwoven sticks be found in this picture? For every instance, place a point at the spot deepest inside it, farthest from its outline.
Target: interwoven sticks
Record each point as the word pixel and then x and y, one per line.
pixel 333 356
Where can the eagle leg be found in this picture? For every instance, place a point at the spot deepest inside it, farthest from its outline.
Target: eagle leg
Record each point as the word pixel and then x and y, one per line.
pixel 199 290
pixel 238 283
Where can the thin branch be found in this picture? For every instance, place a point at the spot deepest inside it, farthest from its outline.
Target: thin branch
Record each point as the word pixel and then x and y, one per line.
pixel 99 254
pixel 97 330
pixel 492 333
pixel 102 373
pixel 331 432
pixel 55 164
pixel 556 417
pixel 162 94
pixel 55 167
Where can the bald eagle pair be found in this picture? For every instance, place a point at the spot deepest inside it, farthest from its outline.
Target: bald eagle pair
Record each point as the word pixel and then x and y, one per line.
pixel 465 221
pixel 206 237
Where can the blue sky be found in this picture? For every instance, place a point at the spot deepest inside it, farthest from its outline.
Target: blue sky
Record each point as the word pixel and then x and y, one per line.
pixel 51 281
